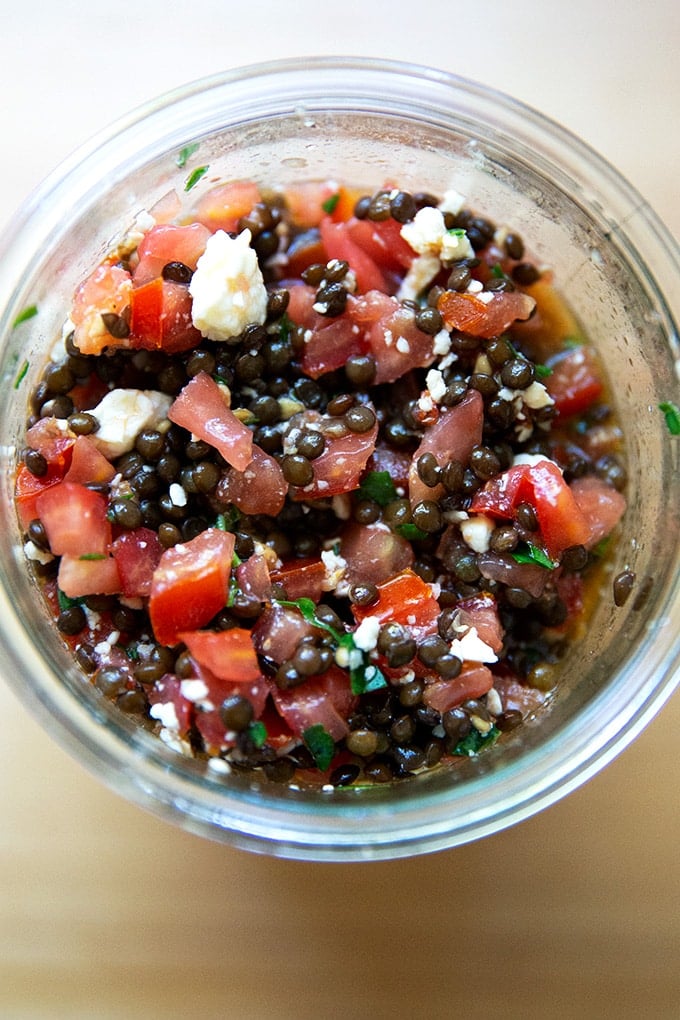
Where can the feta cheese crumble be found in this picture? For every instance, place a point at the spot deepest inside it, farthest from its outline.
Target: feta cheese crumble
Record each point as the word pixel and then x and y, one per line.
pixel 122 414
pixel 227 288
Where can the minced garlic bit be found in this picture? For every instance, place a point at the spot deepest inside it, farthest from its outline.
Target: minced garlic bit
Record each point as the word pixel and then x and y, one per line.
pixel 227 288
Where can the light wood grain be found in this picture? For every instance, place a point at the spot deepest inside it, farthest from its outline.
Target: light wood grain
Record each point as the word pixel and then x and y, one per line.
pixel 105 912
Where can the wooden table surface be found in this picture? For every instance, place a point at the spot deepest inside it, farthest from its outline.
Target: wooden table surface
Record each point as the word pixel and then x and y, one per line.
pixel 106 912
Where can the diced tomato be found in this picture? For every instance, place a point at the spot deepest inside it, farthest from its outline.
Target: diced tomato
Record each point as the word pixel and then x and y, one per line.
pixel 574 382
pixel 306 249
pixel 516 696
pixel 78 576
pixel 405 599
pixel 561 522
pixel 338 244
pixel 88 464
pixel 326 700
pixel 339 468
pixel 253 578
pixel 259 489
pixel 395 462
pixel 51 439
pixel 382 240
pixel 167 208
pixel 453 436
pixel 471 315
pixel 278 632
pixel 305 201
pixel 472 682
pixel 279 734
pixel 481 612
pixel 137 553
pixel 222 207
pixel 75 520
pixel 169 243
pixel 390 333
pixel 166 691
pixel 330 345
pixel 374 553
pixel 28 488
pixel 228 654
pixel 303 578
pixel 190 584
pixel 160 317
pixel 106 290
pixel 601 505
pixel 201 408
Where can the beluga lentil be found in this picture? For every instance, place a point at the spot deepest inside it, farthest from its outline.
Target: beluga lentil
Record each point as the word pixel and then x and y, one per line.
pixel 339 528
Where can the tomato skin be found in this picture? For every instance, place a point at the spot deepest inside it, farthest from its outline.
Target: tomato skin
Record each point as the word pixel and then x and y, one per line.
pixel 160 317
pixel 137 554
pixel 28 488
pixel 88 464
pixel 222 207
pixel 471 315
pixel 339 468
pixel 452 437
pixel 472 682
pixel 574 382
pixel 169 243
pixel 190 584
pixel 338 244
pixel 601 505
pixel 78 577
pixel 259 489
pixel 561 523
pixel 74 519
pixel 374 553
pixel 301 578
pixel 228 654
pixel 326 700
pixel 382 240
pixel 406 599
pixel 201 408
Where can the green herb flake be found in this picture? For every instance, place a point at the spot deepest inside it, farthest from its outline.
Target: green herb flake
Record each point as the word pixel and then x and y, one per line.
pixel 285 326
pixel 65 601
pixel 331 203
pixel 542 371
pixel 132 652
pixel 474 742
pixel 185 154
pixel 671 413
pixel 25 315
pixel 257 733
pixel 92 556
pixel 195 176
pixel 320 745
pixel 530 553
pixel 411 531
pixel 308 610
pixel 378 487
pixel 21 375
pixel 366 678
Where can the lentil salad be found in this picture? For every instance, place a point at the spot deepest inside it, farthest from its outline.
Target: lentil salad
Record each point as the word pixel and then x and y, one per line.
pixel 316 488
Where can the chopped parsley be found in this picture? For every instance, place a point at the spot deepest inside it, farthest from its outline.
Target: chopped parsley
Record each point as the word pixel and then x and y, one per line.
pixel 320 745
pixel 475 742
pixel 92 556
pixel 20 375
pixel 257 733
pixel 331 203
pixel 227 521
pixel 66 602
pixel 185 154
pixel 25 315
pixel 411 531
pixel 543 371
pixel 671 413
pixel 378 487
pixel 195 176
pixel 364 675
pixel 527 552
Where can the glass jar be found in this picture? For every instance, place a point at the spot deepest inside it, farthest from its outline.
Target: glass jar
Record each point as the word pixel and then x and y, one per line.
pixel 366 122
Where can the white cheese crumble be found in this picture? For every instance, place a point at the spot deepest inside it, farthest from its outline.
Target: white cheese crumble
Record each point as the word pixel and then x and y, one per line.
pixel 402 345
pixel 452 202
pixel 421 273
pixel 122 414
pixel 477 531
pixel 336 568
pixel 427 235
pixel 531 459
pixel 434 381
pixel 470 647
pixel 227 288
pixel 166 714
pixel 195 691
pixel 366 634
pixel 33 552
pixel 493 702
pixel 178 496
pixel 536 396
